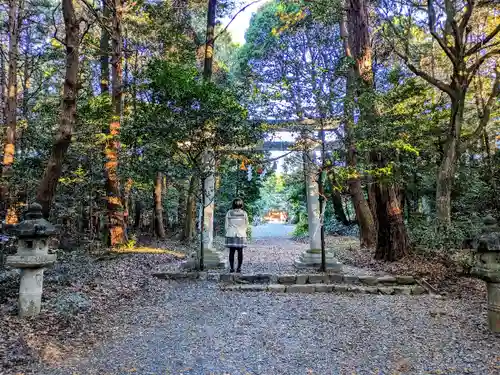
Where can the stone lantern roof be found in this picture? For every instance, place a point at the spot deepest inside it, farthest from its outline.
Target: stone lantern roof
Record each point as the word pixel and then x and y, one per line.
pixel 34 225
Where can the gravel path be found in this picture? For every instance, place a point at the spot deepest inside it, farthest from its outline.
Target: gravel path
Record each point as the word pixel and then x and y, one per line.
pixel 194 328
pixel 272 250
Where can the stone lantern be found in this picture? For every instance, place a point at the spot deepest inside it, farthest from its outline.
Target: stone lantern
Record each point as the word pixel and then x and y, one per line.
pixel 487 268
pixel 32 257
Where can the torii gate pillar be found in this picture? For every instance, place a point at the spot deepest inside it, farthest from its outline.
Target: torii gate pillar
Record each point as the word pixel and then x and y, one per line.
pixel 211 257
pixel 312 257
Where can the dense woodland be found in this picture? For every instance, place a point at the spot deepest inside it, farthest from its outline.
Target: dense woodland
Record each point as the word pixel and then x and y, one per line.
pixel 109 106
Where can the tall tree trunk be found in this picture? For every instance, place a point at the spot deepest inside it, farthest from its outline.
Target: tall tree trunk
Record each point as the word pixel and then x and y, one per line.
pixel 158 206
pixel 190 222
pixel 367 232
pixel 447 167
pixel 392 238
pixel 137 214
pixel 209 45
pixel 15 18
pixel 114 202
pixel 338 208
pixel 181 207
pixel 47 187
pixel 104 48
pixel 126 205
pixel 3 86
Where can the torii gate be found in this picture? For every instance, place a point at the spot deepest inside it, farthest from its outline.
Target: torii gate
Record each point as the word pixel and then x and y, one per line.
pixel 309 258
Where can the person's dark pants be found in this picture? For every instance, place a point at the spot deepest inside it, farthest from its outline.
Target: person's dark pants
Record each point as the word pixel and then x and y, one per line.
pixel 232 250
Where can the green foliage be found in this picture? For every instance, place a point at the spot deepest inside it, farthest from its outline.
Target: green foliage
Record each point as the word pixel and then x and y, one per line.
pixel 430 235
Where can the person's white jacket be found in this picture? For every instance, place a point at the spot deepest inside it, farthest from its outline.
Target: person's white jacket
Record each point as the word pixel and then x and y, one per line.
pixel 236 223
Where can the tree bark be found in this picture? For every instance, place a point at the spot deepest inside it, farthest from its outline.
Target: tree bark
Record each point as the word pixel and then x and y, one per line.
pixel 104 48
pixel 190 223
pixel 158 206
pixel 137 214
pixel 447 167
pixel 209 44
pixel 3 86
pixel 338 208
pixel 367 232
pixel 392 239
pixel 47 187
pixel 114 202
pixel 181 208
pixel 15 19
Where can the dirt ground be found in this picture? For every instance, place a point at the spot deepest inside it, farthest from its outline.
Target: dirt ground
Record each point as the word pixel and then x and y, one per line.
pixel 86 295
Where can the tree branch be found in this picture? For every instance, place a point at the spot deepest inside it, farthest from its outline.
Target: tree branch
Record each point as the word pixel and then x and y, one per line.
pixel 471 71
pixel 467 15
pixel 234 17
pixel 432 27
pixel 433 81
pixel 480 45
pixel 484 118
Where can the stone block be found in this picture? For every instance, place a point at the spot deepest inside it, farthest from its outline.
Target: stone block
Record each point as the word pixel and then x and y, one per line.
pixel 323 288
pixel 336 278
pixel 231 288
pixel 418 290
pixel 405 280
pixel 351 279
pixel 171 275
pixel 340 288
pixel 402 290
pixel 31 261
pixel 355 289
pixel 386 290
pixel 387 280
pixel 318 279
pixel 239 280
pixel 300 288
pixel 370 289
pixel 287 279
pixel 226 277
pixel 368 280
pixel 312 259
pixel 259 278
pixel 301 279
pixel 253 288
pixel 276 288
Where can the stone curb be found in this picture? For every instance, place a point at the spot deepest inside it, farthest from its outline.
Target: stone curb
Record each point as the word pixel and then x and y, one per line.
pixel 293 279
pixel 326 288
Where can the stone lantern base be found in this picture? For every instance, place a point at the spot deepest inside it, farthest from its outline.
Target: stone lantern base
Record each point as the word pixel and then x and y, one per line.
pixel 212 259
pixel 312 259
pixel 30 289
pixel 494 307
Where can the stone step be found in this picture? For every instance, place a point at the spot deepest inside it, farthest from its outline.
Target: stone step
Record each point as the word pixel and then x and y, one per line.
pixel 291 279
pixel 325 288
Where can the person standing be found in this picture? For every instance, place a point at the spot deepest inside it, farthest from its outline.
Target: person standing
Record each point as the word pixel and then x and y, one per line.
pixel 236 232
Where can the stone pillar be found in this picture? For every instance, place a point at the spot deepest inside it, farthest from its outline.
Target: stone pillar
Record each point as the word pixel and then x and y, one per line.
pixel 487 267
pixel 494 306
pixel 312 257
pixel 312 191
pixel 32 257
pixel 209 192
pixel 211 257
